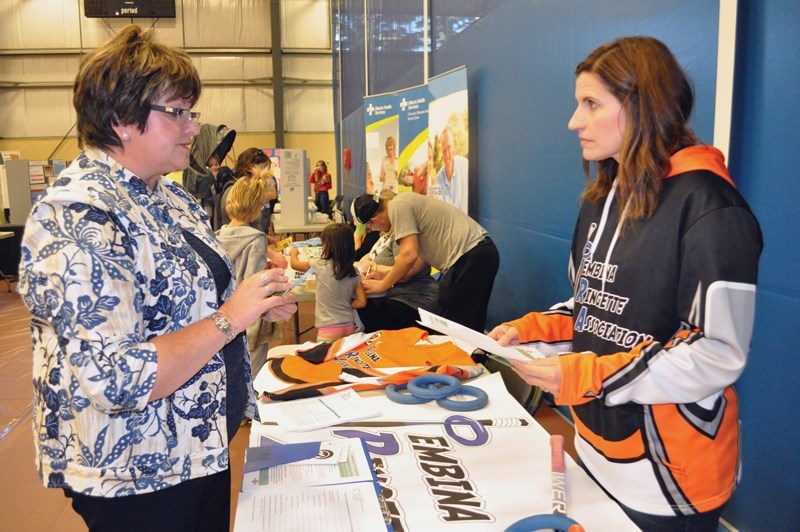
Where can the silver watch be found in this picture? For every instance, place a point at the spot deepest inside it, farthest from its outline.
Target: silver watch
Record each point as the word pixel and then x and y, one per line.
pixel 224 326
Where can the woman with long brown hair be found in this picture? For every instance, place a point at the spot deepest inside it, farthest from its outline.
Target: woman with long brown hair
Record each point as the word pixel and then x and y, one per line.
pixel 664 263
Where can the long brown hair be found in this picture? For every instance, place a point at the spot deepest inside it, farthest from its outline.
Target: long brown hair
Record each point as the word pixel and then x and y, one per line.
pixel 657 97
pixel 248 159
pixel 339 248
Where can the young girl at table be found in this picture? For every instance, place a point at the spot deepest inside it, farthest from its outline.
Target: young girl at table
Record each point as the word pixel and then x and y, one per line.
pixel 338 288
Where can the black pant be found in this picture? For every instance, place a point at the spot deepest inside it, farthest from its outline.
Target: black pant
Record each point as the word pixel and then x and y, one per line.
pixel 200 504
pixel 465 288
pixel 323 201
pixel 384 313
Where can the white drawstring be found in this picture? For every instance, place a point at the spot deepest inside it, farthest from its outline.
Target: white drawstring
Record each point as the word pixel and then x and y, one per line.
pixel 601 228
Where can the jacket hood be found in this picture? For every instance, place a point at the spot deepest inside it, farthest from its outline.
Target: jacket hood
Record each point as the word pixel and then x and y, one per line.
pixel 210 141
pixel 699 157
pixel 236 240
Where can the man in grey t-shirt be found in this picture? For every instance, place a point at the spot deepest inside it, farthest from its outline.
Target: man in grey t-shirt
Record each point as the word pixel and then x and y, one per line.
pixel 430 231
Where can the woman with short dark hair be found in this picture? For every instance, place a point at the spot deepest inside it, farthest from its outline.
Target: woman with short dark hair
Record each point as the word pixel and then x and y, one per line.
pixel 141 369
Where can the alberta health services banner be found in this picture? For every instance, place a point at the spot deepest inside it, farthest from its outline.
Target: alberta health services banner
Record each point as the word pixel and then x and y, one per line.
pixel 459 471
pixel 417 139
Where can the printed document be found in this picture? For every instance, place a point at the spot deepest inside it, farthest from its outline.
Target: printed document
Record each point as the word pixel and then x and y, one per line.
pixel 317 412
pixel 476 339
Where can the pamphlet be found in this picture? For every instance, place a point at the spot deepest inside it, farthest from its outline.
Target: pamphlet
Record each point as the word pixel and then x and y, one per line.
pixel 317 412
pixel 300 486
pixel 306 464
pixel 476 339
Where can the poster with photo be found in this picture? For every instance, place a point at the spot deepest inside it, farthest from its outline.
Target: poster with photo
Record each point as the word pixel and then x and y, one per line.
pixel 416 150
pixel 448 133
pixel 381 133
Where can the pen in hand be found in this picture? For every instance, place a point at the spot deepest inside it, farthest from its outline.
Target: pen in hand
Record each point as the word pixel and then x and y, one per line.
pixel 297 282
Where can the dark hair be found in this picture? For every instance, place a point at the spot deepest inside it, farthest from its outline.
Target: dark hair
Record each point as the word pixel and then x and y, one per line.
pixel 657 98
pixel 248 159
pixel 321 162
pixel 117 83
pixel 339 248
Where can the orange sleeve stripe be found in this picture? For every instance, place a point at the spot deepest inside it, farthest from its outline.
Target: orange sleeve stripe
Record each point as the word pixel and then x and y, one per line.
pixel 583 374
pixel 542 327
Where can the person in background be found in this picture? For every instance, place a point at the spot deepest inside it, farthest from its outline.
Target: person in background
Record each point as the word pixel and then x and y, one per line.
pixel 273 183
pixel 388 176
pixel 248 250
pixel 271 194
pixel 338 288
pixel 209 149
pixel 430 232
pixel 322 182
pixel 663 265
pixel 250 162
pixel 223 180
pixel 141 372
pixel 397 309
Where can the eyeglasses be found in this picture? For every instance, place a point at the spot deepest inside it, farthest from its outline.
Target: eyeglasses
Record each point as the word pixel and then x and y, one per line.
pixel 180 115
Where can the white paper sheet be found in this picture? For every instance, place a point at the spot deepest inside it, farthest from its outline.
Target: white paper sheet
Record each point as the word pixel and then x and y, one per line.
pixel 341 508
pixel 476 339
pixel 317 412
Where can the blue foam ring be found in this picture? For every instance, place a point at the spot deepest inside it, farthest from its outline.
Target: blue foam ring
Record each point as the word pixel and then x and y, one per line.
pixel 481 400
pixel 559 523
pixel 425 386
pixel 393 393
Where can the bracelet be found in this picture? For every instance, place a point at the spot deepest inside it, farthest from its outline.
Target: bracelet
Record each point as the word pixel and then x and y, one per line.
pixel 224 326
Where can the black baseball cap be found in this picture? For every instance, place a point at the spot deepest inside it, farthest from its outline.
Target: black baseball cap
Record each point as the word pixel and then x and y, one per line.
pixel 364 208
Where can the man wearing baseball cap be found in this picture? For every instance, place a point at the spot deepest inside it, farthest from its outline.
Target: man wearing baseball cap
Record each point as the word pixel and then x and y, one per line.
pixel 430 231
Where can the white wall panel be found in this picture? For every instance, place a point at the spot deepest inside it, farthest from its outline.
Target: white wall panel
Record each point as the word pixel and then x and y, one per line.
pixel 233 67
pixel 39 68
pixel 306 24
pixel 36 113
pixel 40 24
pixel 308 109
pixel 223 105
pixel 236 88
pixel 227 24
pixel 308 67
pixel 258 104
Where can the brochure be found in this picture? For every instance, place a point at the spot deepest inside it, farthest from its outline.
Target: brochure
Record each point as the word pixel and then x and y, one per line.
pixel 331 481
pixel 317 412
pixel 476 339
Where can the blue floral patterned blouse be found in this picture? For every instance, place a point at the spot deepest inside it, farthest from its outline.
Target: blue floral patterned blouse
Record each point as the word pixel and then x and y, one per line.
pixel 105 269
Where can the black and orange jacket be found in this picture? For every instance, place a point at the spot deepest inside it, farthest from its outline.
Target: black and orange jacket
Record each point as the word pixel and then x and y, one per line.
pixel 381 358
pixel 660 324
